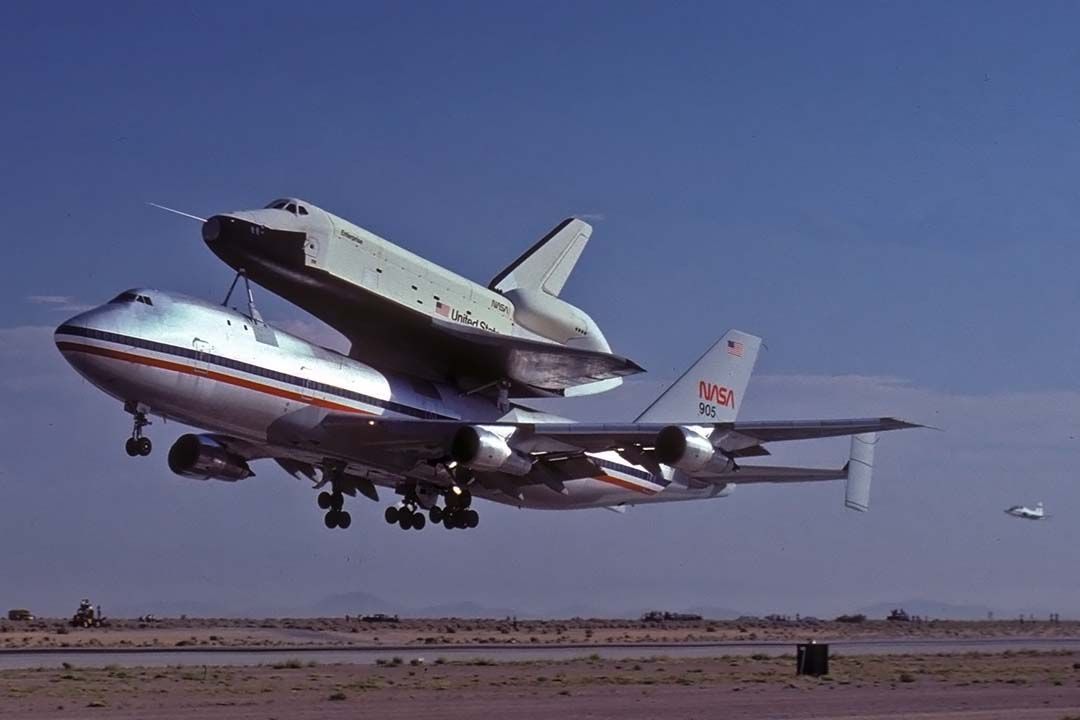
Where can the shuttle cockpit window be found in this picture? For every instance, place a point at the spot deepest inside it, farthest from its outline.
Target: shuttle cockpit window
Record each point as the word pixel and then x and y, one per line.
pixel 288 206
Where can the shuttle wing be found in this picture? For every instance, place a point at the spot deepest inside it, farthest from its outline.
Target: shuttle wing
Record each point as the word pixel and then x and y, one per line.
pixel 537 367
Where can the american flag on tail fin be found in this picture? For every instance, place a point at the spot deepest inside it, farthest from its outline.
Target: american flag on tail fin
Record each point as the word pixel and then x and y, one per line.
pixel 734 347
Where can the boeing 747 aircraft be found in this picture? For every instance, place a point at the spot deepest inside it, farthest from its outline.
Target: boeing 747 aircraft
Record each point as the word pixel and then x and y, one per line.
pixel 351 428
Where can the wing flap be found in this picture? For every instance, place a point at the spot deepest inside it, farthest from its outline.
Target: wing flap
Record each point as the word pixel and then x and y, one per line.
pixel 751 474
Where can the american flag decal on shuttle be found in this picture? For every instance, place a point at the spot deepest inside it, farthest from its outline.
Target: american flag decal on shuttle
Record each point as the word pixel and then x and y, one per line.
pixel 442 309
pixel 734 347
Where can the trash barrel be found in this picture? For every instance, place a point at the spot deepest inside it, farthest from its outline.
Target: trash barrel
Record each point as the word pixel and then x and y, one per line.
pixel 812 658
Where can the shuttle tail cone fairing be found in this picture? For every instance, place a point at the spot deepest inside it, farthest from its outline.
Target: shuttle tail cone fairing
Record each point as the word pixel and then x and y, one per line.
pixel 712 389
pixel 860 471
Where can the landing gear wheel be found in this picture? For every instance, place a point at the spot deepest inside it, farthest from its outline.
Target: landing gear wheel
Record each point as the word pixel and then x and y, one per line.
pixel 405 519
pixel 448 521
pixel 471 518
pixel 436 514
pixel 391 515
pixel 337 501
pixel 324 500
pixel 418 521
pixel 331 519
pixel 344 520
pixel 132 447
pixel 144 446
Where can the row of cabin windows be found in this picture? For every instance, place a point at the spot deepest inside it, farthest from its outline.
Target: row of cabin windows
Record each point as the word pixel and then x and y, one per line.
pixel 231 364
pixel 288 206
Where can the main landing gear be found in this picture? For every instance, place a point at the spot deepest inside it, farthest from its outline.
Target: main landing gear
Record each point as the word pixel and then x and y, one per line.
pixel 137 445
pixel 456 514
pixel 332 502
pixel 405 516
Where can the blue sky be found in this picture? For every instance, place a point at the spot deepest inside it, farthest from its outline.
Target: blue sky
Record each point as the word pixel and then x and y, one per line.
pixel 883 190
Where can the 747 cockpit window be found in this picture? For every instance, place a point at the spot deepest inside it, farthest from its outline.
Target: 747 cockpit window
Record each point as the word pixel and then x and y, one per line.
pixel 126 297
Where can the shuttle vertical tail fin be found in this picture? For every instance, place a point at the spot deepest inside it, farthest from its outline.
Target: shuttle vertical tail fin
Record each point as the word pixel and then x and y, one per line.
pixel 712 389
pixel 547 264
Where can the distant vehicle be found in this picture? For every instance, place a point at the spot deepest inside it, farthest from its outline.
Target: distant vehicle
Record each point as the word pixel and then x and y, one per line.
pixel 86 616
pixel 899 615
pixel 20 615
pixel 658 616
pixel 1026 513
pixel 380 618
pixel 851 618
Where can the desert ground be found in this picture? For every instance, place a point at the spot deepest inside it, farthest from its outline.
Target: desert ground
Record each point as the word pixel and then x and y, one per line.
pixel 1021 685
pixel 205 633
pixel 412 677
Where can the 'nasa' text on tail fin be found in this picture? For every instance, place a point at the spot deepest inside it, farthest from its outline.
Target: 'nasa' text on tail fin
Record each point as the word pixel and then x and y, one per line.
pixel 712 389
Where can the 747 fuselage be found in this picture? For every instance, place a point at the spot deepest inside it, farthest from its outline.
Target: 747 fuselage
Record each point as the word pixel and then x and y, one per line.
pixel 204 365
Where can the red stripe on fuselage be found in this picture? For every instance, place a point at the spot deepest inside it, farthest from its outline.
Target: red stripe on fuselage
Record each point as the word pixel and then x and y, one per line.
pixel 66 346
pixel 625 484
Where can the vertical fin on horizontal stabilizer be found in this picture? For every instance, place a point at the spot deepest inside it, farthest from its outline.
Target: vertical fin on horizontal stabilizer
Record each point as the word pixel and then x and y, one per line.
pixel 712 389
pixel 860 471
pixel 547 264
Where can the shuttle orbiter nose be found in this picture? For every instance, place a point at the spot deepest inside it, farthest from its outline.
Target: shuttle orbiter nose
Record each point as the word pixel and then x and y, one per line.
pixel 244 242
pixel 211 229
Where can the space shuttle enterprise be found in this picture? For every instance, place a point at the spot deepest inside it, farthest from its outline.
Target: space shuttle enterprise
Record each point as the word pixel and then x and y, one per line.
pixel 427 402
pixel 403 312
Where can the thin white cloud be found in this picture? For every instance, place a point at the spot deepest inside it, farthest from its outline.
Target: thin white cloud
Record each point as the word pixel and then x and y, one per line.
pixel 59 303
pixel 50 299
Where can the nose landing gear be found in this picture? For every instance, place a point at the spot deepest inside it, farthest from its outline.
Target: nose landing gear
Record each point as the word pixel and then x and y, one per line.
pixel 137 445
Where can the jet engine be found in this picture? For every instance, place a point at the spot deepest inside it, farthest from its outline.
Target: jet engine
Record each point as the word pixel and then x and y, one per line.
pixel 684 449
pixel 204 458
pixel 480 449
